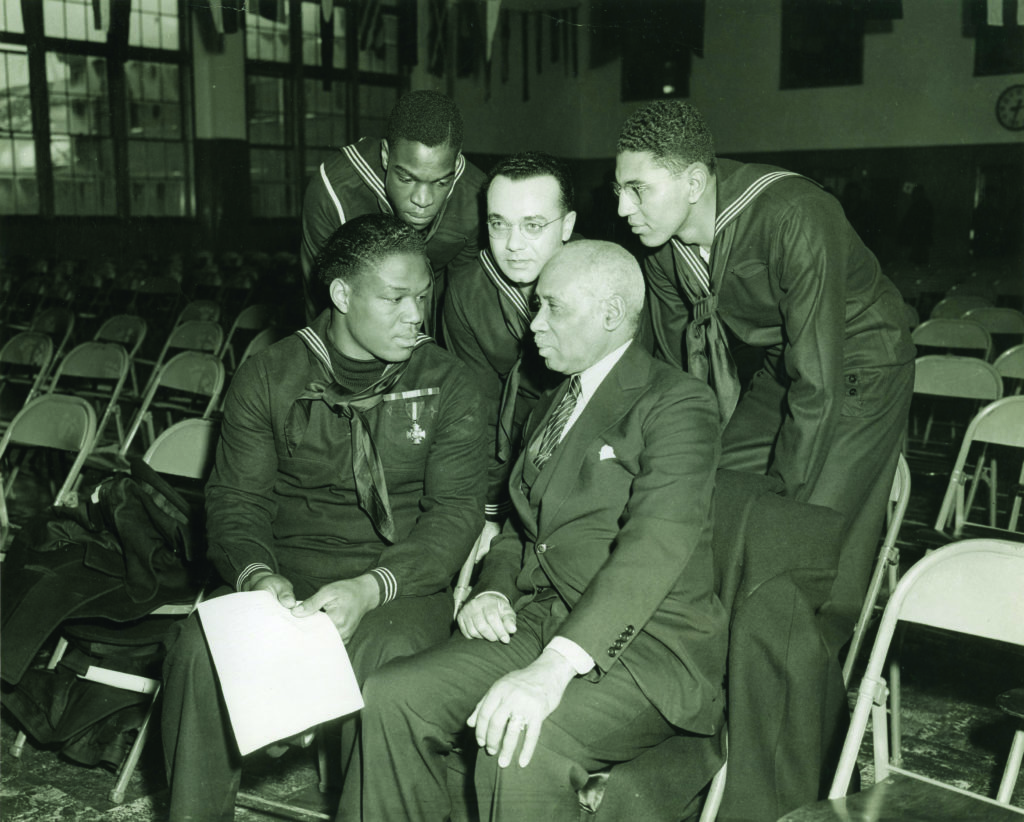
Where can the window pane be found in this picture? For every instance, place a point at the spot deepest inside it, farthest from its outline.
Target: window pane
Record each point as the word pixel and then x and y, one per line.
pixel 17 150
pixel 80 146
pixel 266 110
pixel 10 17
pixel 267 39
pixel 154 24
pixel 73 19
pixel 375 104
pixel 381 52
pixel 273 192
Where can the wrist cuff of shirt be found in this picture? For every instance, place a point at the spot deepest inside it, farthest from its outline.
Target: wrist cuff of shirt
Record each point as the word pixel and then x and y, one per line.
pixel 497 511
pixel 581 661
pixel 387 583
pixel 247 573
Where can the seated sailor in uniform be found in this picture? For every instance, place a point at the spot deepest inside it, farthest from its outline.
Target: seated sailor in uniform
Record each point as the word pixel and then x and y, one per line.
pixel 348 479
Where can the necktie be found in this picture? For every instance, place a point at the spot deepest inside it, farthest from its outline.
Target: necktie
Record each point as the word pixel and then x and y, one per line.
pixel 708 355
pixel 552 432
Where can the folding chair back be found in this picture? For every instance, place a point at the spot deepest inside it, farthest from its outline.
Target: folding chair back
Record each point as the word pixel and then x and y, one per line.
pixel 127 329
pixel 188 377
pixel 191 335
pixel 25 359
pixel 970 587
pixel 963 383
pixel 186 449
pixel 956 305
pixel 58 323
pixel 1000 423
pixel 253 318
pixel 1010 365
pixel 96 371
pixel 1005 325
pixel 953 335
pixel 55 421
pixel 266 338
pixel 208 310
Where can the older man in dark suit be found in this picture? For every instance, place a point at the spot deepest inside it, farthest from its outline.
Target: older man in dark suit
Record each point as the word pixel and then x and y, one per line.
pixel 595 633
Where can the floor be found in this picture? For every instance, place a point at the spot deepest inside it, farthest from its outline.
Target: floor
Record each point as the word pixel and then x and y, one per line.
pixel 953 732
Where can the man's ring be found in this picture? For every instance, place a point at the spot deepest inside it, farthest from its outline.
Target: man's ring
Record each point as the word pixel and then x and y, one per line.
pixel 516 721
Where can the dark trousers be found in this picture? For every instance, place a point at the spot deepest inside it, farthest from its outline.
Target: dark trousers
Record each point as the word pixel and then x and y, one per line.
pixel 855 479
pixel 416 710
pixel 202 760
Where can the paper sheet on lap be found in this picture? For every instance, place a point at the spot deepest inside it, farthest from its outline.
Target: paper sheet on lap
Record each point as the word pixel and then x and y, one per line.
pixel 279 674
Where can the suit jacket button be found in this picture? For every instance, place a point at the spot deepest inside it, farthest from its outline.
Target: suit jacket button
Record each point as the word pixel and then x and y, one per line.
pixel 612 652
pixel 541 548
pixel 629 630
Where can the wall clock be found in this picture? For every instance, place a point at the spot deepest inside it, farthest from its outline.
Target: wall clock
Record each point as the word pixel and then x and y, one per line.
pixel 1010 108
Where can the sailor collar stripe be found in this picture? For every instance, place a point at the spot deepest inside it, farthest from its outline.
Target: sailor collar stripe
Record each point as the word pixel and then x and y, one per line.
pixel 318 348
pixel 735 208
pixel 513 294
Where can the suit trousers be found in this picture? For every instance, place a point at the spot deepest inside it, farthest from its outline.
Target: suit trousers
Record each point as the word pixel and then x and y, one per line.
pixel 202 761
pixel 416 711
pixel 855 479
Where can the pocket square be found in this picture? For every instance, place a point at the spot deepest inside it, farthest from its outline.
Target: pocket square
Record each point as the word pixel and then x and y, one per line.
pixel 607 452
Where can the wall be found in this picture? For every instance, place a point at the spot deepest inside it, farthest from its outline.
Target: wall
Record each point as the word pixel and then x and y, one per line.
pixel 920 116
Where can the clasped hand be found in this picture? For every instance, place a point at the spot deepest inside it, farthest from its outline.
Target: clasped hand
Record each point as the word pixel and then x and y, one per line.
pixel 346 601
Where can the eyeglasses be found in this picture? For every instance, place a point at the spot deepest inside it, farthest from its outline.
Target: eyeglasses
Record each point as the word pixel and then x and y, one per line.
pixel 530 229
pixel 634 192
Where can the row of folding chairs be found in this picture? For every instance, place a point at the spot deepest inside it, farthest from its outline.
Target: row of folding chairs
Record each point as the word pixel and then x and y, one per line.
pixel 101 366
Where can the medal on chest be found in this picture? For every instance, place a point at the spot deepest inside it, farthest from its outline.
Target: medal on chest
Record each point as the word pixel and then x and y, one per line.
pixel 415 434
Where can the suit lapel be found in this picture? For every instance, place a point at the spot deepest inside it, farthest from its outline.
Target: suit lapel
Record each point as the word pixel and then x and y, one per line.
pixel 610 403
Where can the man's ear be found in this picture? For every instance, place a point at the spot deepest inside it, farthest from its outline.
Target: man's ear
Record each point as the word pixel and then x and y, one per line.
pixel 384 153
pixel 614 312
pixel 340 292
pixel 697 181
pixel 568 224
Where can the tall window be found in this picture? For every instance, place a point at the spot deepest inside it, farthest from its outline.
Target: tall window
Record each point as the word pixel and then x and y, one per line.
pixel 115 140
pixel 307 98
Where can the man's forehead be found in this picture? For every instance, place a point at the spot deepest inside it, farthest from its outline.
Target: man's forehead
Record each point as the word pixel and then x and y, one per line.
pixel 529 196
pixel 398 272
pixel 417 157
pixel 635 166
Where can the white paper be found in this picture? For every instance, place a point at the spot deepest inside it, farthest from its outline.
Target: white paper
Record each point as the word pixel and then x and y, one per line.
pixel 280 674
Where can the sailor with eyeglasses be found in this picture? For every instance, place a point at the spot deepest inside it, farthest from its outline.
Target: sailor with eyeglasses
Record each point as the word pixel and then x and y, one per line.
pixel 487 313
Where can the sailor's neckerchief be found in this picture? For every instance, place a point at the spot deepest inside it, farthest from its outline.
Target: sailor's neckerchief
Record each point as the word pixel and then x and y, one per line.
pixel 373 181
pixel 516 313
pixel 371 484
pixel 707 347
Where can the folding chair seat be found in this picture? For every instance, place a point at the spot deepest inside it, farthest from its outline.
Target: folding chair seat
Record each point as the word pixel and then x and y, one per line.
pixel 997 428
pixel 972 588
pixel 25 362
pixel 130 331
pixel 95 371
pixel 1010 365
pixel 1005 325
pixel 955 306
pixel 187 385
pixel 110 619
pixel 953 336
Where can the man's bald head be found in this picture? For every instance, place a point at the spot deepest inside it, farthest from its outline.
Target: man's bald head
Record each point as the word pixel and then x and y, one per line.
pixel 590 296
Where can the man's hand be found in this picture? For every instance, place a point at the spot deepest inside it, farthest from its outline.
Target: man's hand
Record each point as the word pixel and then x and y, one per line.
pixel 483 542
pixel 488 616
pixel 346 602
pixel 279 586
pixel 516 706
